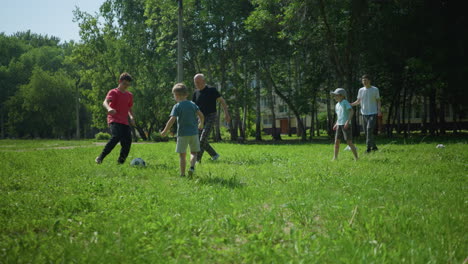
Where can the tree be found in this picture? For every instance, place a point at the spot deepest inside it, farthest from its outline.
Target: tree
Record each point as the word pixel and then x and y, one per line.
pixel 43 107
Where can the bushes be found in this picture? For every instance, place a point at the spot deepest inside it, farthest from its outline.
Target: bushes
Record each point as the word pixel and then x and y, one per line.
pixel 155 136
pixel 102 136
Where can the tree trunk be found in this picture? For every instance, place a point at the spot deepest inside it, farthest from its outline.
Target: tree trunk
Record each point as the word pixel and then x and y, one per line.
pixel 77 108
pixel 454 118
pixel 217 127
pixel 391 109
pixel 289 103
pixel 432 113
pixel 424 116
pixel 329 117
pixel 235 124
pixel 312 114
pixel 403 111
pixel 410 109
pixel 274 132
pixel 244 122
pixel 318 124
pixel 245 106
pixel 2 124
pixel 258 119
pixel 396 115
pixel 396 112
pixel 442 115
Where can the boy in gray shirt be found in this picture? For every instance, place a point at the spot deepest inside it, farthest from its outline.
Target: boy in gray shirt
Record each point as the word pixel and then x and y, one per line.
pixel 185 112
pixel 369 99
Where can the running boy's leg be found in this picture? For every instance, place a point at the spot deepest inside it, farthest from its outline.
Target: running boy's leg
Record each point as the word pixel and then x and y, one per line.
pixel 125 142
pixel 116 136
pixel 182 163
pixel 194 149
pixel 337 149
pixel 353 148
pixel 337 142
pixel 181 148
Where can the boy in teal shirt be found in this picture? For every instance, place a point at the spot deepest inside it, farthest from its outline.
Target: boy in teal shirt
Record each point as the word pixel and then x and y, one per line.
pixel 185 112
pixel 345 112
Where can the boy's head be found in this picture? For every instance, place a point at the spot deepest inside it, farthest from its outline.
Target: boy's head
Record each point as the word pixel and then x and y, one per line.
pixel 125 79
pixel 366 80
pixel 180 91
pixel 339 94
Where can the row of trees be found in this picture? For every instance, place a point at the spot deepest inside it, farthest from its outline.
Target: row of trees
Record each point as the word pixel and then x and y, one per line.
pixel 298 50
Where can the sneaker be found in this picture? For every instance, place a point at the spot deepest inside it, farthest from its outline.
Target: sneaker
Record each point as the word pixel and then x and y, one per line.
pixel 190 172
pixel 215 157
pixel 375 148
pixel 98 160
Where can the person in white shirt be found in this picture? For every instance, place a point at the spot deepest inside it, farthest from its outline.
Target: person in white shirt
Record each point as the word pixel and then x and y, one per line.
pixel 369 99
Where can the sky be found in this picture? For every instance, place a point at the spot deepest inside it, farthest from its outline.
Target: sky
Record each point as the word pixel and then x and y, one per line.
pixel 45 17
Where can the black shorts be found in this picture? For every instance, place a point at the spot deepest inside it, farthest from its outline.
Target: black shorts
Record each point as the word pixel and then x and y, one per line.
pixel 343 134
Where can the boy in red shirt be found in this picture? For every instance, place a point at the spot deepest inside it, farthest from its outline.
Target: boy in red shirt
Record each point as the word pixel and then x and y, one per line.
pixel 118 104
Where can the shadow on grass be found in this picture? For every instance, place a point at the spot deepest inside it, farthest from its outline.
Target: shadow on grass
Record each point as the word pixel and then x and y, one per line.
pixel 231 182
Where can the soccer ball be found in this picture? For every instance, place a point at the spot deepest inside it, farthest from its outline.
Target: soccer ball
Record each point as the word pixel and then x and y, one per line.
pixel 348 148
pixel 138 162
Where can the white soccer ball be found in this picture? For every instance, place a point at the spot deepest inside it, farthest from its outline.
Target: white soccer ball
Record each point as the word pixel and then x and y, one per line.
pixel 348 148
pixel 138 162
pixel 440 146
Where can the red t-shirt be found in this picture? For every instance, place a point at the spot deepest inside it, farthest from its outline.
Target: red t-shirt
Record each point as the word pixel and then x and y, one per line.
pixel 120 102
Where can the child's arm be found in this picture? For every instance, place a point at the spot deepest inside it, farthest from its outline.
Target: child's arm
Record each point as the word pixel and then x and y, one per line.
pixel 201 118
pixel 168 125
pixel 351 113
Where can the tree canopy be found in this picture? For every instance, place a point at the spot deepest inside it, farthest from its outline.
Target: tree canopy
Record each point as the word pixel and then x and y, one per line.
pixel 296 50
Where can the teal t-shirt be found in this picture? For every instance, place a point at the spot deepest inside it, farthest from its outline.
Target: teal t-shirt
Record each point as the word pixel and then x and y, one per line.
pixel 342 111
pixel 186 113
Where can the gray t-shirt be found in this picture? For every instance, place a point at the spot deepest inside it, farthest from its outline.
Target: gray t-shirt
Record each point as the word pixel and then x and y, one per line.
pixel 186 113
pixel 369 97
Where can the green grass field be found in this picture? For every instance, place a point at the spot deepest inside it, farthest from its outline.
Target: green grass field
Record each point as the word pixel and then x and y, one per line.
pixel 266 203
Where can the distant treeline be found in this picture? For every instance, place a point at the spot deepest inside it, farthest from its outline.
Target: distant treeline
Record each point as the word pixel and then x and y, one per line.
pixel 295 50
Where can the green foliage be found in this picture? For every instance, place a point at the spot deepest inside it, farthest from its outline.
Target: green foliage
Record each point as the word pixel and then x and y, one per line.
pixel 44 106
pixel 157 137
pixel 297 50
pixel 257 203
pixel 102 136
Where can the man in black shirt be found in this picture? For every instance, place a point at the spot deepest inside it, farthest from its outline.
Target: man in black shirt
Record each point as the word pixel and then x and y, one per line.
pixel 205 98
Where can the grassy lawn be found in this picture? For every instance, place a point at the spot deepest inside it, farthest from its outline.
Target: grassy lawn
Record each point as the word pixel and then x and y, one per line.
pixel 286 203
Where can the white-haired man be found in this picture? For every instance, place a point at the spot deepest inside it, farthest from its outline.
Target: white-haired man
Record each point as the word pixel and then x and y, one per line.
pixel 206 97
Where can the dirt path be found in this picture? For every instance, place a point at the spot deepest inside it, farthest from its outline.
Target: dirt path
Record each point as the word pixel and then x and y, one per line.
pixel 94 144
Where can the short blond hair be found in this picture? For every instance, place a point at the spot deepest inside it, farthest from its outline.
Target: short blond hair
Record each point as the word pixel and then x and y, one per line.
pixel 180 89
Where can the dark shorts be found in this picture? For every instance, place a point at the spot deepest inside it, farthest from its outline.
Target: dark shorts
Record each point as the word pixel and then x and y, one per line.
pixel 343 134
